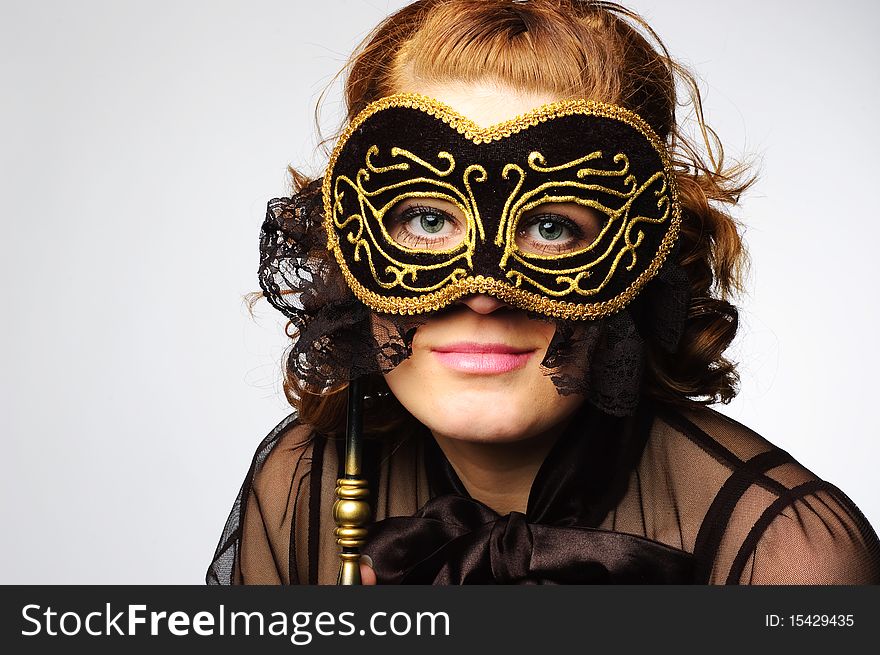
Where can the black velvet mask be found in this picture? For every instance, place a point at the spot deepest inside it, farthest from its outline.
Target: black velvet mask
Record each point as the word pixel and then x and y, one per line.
pixel 354 310
pixel 411 151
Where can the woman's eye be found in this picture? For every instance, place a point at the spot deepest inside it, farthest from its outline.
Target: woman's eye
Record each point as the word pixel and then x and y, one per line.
pixel 550 230
pixel 551 233
pixel 425 227
pixel 431 223
pixel 548 234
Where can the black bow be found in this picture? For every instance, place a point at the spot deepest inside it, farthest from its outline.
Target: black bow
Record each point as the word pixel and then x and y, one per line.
pixel 458 540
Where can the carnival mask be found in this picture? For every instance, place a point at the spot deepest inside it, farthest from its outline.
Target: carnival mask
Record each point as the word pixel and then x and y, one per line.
pixel 412 151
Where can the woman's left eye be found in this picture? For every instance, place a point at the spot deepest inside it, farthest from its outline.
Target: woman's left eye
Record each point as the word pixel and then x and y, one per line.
pixel 548 233
pixel 430 222
pixel 549 229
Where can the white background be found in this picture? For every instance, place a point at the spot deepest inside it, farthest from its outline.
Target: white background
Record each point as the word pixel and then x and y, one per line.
pixel 140 142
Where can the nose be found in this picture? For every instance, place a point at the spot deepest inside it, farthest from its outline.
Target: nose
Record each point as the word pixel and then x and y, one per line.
pixel 481 303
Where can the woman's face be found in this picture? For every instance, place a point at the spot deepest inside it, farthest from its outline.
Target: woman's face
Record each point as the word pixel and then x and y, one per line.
pixel 474 373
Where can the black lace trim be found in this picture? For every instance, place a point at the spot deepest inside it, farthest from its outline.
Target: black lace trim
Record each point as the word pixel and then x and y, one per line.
pixel 337 338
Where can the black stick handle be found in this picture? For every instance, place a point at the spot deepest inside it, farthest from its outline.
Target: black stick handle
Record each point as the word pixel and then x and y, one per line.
pixel 352 508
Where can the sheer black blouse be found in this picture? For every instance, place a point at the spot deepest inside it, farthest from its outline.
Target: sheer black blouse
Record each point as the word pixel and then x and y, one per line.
pixel 665 496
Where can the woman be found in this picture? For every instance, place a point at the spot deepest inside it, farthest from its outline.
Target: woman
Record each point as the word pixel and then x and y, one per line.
pixel 519 254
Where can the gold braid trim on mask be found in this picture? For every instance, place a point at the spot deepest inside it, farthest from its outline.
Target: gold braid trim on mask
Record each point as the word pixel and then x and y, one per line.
pixel 505 291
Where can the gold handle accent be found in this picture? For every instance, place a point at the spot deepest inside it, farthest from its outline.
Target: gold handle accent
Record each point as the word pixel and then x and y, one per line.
pixel 351 512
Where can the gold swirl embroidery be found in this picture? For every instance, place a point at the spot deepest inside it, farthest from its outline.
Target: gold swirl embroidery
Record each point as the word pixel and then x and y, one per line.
pixel 371 152
pixel 408 269
pixel 505 213
pixel 662 203
pixel 614 216
pixel 398 273
pixel 507 292
pixel 359 232
pixel 364 240
pixel 537 161
pixel 569 284
pixel 480 177
pixel 395 151
pixel 363 194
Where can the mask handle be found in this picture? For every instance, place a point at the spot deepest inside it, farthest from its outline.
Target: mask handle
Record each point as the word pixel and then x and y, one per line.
pixel 351 511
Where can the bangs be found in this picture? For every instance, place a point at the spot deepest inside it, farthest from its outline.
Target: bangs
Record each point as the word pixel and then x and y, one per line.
pixel 532 48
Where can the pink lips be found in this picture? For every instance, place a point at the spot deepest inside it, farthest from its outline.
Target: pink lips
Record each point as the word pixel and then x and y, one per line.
pixel 482 358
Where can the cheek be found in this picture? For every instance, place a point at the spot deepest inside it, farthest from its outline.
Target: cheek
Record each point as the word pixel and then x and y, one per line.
pixel 415 383
pixel 546 330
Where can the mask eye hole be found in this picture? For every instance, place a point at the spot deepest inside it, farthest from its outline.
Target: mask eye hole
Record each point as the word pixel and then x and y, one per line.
pixel 558 228
pixel 426 224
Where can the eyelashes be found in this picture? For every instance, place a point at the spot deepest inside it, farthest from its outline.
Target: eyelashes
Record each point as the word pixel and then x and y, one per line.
pixel 550 233
pixel 425 227
pixel 421 226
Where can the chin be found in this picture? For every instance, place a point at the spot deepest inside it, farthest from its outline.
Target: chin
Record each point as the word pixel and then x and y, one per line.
pixel 505 408
pixel 501 425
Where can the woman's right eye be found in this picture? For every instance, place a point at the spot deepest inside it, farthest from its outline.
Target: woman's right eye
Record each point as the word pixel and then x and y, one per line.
pixel 558 229
pixel 424 227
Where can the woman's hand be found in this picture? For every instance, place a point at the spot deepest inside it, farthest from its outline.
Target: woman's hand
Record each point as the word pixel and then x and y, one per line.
pixel 368 576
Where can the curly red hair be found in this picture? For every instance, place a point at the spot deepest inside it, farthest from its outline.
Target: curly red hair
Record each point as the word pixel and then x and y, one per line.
pixel 576 49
